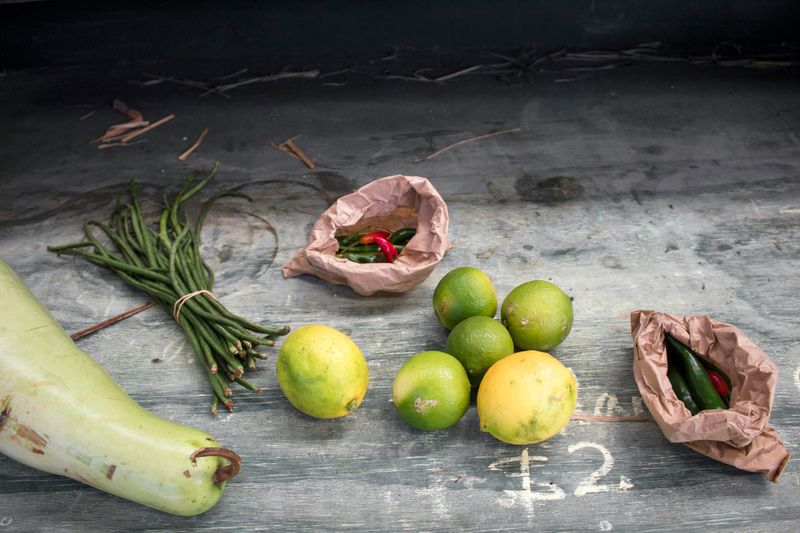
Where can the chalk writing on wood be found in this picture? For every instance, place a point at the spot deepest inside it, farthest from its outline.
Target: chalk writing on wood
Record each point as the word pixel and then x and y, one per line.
pixel 526 496
pixel 590 484
pixel 608 405
pixel 532 490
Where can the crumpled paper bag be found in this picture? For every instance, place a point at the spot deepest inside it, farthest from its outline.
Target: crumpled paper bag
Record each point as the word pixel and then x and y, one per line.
pixel 738 436
pixel 392 202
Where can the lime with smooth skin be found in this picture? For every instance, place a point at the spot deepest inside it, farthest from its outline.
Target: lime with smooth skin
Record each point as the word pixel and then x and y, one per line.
pixel 431 391
pixel 461 293
pixel 538 315
pixel 478 342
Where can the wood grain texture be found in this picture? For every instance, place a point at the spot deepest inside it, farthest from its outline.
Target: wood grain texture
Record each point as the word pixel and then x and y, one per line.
pixel 668 188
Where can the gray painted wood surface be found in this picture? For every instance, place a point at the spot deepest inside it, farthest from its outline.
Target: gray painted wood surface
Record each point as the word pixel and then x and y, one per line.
pixel 669 188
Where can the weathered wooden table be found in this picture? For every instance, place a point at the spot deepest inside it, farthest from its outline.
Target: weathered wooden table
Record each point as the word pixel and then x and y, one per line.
pixel 674 188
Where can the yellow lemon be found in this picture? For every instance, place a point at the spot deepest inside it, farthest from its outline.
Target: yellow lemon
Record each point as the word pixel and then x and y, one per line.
pixel 526 398
pixel 431 391
pixel 322 372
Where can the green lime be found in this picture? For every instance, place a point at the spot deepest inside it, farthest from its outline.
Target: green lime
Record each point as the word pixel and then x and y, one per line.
pixel 538 315
pixel 431 391
pixel 462 293
pixel 478 342
pixel 322 372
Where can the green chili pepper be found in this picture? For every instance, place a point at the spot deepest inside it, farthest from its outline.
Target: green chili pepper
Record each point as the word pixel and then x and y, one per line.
pixel 364 257
pixel 681 390
pixel 347 240
pixel 365 248
pixel 696 378
pixel 402 236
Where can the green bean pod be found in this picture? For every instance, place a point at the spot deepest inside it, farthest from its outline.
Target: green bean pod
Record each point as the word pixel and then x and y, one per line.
pixel 696 378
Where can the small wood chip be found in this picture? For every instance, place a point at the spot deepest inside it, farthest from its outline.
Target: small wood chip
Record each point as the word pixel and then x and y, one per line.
pixel 290 147
pixel 120 134
pixel 113 144
pixel 157 123
pixel 299 153
pixel 185 155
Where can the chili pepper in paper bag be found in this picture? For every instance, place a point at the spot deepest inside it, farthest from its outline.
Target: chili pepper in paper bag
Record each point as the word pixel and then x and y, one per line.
pixel 405 201
pixel 738 436
pixel 699 383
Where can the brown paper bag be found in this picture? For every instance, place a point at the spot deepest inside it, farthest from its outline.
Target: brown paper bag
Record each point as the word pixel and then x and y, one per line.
pixel 392 202
pixel 738 436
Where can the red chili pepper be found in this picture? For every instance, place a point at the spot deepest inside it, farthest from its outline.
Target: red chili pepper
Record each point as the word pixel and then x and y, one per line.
pixel 388 249
pixel 719 383
pixel 369 238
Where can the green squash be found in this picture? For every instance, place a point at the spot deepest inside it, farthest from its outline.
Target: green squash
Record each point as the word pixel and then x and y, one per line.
pixel 61 413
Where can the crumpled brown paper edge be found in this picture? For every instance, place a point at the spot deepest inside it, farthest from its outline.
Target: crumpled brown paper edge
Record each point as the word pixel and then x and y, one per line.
pixel 379 198
pixel 737 436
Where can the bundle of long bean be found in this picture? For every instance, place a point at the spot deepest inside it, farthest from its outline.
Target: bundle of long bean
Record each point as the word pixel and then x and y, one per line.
pixel 165 262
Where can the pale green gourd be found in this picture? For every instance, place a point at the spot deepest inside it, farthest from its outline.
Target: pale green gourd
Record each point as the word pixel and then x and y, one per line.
pixel 61 413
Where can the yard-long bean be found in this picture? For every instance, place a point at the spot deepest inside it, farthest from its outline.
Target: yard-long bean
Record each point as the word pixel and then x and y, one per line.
pixel 164 261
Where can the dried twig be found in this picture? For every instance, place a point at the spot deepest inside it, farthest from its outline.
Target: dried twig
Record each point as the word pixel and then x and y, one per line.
pixel 337 72
pixel 232 75
pixel 289 147
pixel 307 74
pixel 136 133
pixel 457 73
pixel 125 109
pixel 606 66
pixel 603 418
pixel 185 155
pixel 117 130
pixel 567 80
pixel 548 57
pixel 113 320
pixel 347 70
pixel 156 79
pixel 299 153
pixel 418 76
pixel 113 144
pixel 210 87
pixel 469 140
pixel 415 76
